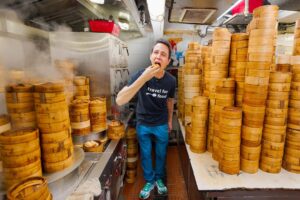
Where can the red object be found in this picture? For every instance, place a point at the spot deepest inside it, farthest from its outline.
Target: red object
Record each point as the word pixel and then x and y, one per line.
pixel 104 26
pixel 241 6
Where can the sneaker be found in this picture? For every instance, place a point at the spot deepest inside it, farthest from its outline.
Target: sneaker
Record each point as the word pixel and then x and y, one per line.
pixel 145 192
pixel 161 188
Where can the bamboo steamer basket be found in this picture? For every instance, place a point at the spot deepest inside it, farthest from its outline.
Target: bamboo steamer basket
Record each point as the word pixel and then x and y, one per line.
pixel 273 137
pixel 290 167
pixel 293 135
pixel 57 156
pixel 250 152
pixel 229 166
pixel 283 67
pixel 57 146
pixel 81 128
pixel 33 188
pixel 55 137
pixel 116 130
pixel 50 97
pixel 272 112
pixel 22 172
pixel 188 132
pixel 260 49
pixel 294 104
pixel 272 153
pixel 98 148
pixel 131 162
pixel 19 107
pixel 4 124
pixel 54 127
pixel 279 87
pixel 258 65
pixel 252 80
pixel 21 160
pixel 221 44
pixel 19 149
pixel 47 118
pixel 258 33
pixel 272 145
pixel 269 168
pixel 51 107
pixel 280 77
pixel 276 121
pixel 254 41
pixel 20 88
pixel 277 104
pixel 251 136
pixel 249 166
pixel 18 97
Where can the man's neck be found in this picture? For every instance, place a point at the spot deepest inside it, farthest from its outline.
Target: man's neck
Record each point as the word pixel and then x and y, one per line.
pixel 160 74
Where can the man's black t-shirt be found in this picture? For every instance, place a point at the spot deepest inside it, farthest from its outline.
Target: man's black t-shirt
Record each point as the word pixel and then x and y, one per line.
pixel 152 99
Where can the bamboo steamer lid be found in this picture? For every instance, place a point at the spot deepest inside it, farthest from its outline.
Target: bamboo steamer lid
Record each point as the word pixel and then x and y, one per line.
pixel 22 88
pixel 239 36
pixel 221 34
pixel 49 87
pixel 49 97
pixel 266 9
pixel 81 80
pixel 18 136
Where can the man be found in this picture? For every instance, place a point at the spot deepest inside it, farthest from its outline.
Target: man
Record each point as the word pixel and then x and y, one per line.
pixel 156 89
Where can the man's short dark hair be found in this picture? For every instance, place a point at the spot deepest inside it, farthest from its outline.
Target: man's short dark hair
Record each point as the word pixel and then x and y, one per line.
pixel 165 42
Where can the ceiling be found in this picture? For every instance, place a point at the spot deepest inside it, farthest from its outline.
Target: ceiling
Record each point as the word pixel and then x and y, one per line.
pixel 52 15
pixel 205 12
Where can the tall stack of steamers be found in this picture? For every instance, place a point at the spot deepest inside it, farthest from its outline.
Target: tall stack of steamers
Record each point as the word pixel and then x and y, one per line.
pixel 262 131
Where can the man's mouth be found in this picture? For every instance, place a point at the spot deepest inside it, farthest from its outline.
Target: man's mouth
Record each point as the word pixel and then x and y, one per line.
pixel 158 64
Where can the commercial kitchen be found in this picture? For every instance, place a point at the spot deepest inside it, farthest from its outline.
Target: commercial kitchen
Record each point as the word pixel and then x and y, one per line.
pixel 236 120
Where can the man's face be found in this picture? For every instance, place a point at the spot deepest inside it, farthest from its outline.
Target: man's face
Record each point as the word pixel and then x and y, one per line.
pixel 160 55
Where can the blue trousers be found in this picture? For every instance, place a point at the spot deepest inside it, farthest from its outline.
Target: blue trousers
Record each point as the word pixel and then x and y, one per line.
pixel 160 135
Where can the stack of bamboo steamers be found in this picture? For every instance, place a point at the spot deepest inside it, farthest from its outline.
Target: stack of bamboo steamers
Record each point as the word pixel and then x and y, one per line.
pixel 262 38
pixel 192 76
pixel 263 130
pixel 132 155
pixel 20 106
pixel 54 125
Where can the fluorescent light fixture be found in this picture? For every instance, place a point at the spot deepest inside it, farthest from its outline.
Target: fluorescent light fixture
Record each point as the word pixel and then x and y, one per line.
pixel 97 1
pixel 229 9
pixel 156 9
pixel 123 25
